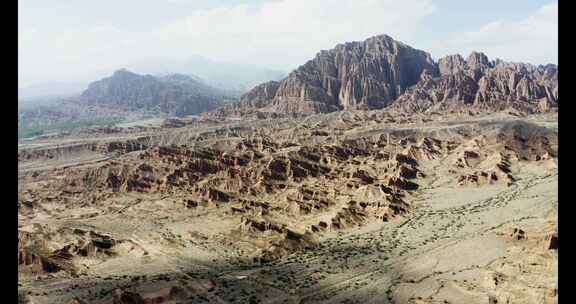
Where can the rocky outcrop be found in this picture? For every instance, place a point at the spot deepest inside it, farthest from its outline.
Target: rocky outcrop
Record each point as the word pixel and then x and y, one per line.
pixel 380 71
pixel 355 75
pixel 485 84
pixel 518 82
pixel 528 141
pixel 261 94
pixel 257 181
pixel 259 97
pixel 451 64
pixel 430 92
pixel 492 160
pixel 174 94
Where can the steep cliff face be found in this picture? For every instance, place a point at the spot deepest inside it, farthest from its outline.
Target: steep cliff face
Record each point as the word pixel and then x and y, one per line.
pixel 257 98
pixel 355 75
pixel 449 90
pixel 485 84
pixel 518 82
pixel 260 95
pixel 380 71
pixel 173 94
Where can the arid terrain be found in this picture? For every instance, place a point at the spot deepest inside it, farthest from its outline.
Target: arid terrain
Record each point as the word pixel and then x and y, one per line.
pixel 369 174
pixel 373 206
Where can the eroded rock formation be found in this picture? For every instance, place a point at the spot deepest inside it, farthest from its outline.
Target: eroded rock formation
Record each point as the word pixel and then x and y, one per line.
pixel 380 71
pixel 483 84
pixel 356 75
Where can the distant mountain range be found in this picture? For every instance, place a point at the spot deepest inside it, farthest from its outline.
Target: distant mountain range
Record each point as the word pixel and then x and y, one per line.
pixel 235 79
pixel 124 95
pixel 372 74
pixel 381 72
pixel 174 94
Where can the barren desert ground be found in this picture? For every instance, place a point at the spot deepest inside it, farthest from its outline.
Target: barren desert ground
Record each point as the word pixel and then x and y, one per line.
pixel 346 207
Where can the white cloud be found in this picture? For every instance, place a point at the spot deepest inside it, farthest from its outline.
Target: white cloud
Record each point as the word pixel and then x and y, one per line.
pixel 277 34
pixel 103 28
pixel 26 36
pixel 533 39
pixel 297 27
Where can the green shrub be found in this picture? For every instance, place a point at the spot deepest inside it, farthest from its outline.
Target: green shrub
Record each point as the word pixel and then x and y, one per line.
pixel 32 131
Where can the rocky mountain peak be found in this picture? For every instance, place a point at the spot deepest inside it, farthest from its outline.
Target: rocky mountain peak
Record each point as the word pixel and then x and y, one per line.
pixel 175 94
pixel 367 74
pixel 485 84
pixel 478 61
pixel 379 71
pixel 124 73
pixel 451 64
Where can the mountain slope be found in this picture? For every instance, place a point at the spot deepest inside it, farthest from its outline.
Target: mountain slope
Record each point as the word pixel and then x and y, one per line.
pixel 174 94
pixel 380 71
pixel 481 83
pixel 259 97
pixel 355 75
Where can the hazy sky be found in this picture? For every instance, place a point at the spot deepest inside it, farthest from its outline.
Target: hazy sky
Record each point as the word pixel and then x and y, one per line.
pixel 73 40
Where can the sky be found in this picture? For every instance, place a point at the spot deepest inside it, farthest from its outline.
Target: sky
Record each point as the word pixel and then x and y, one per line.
pixel 78 40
